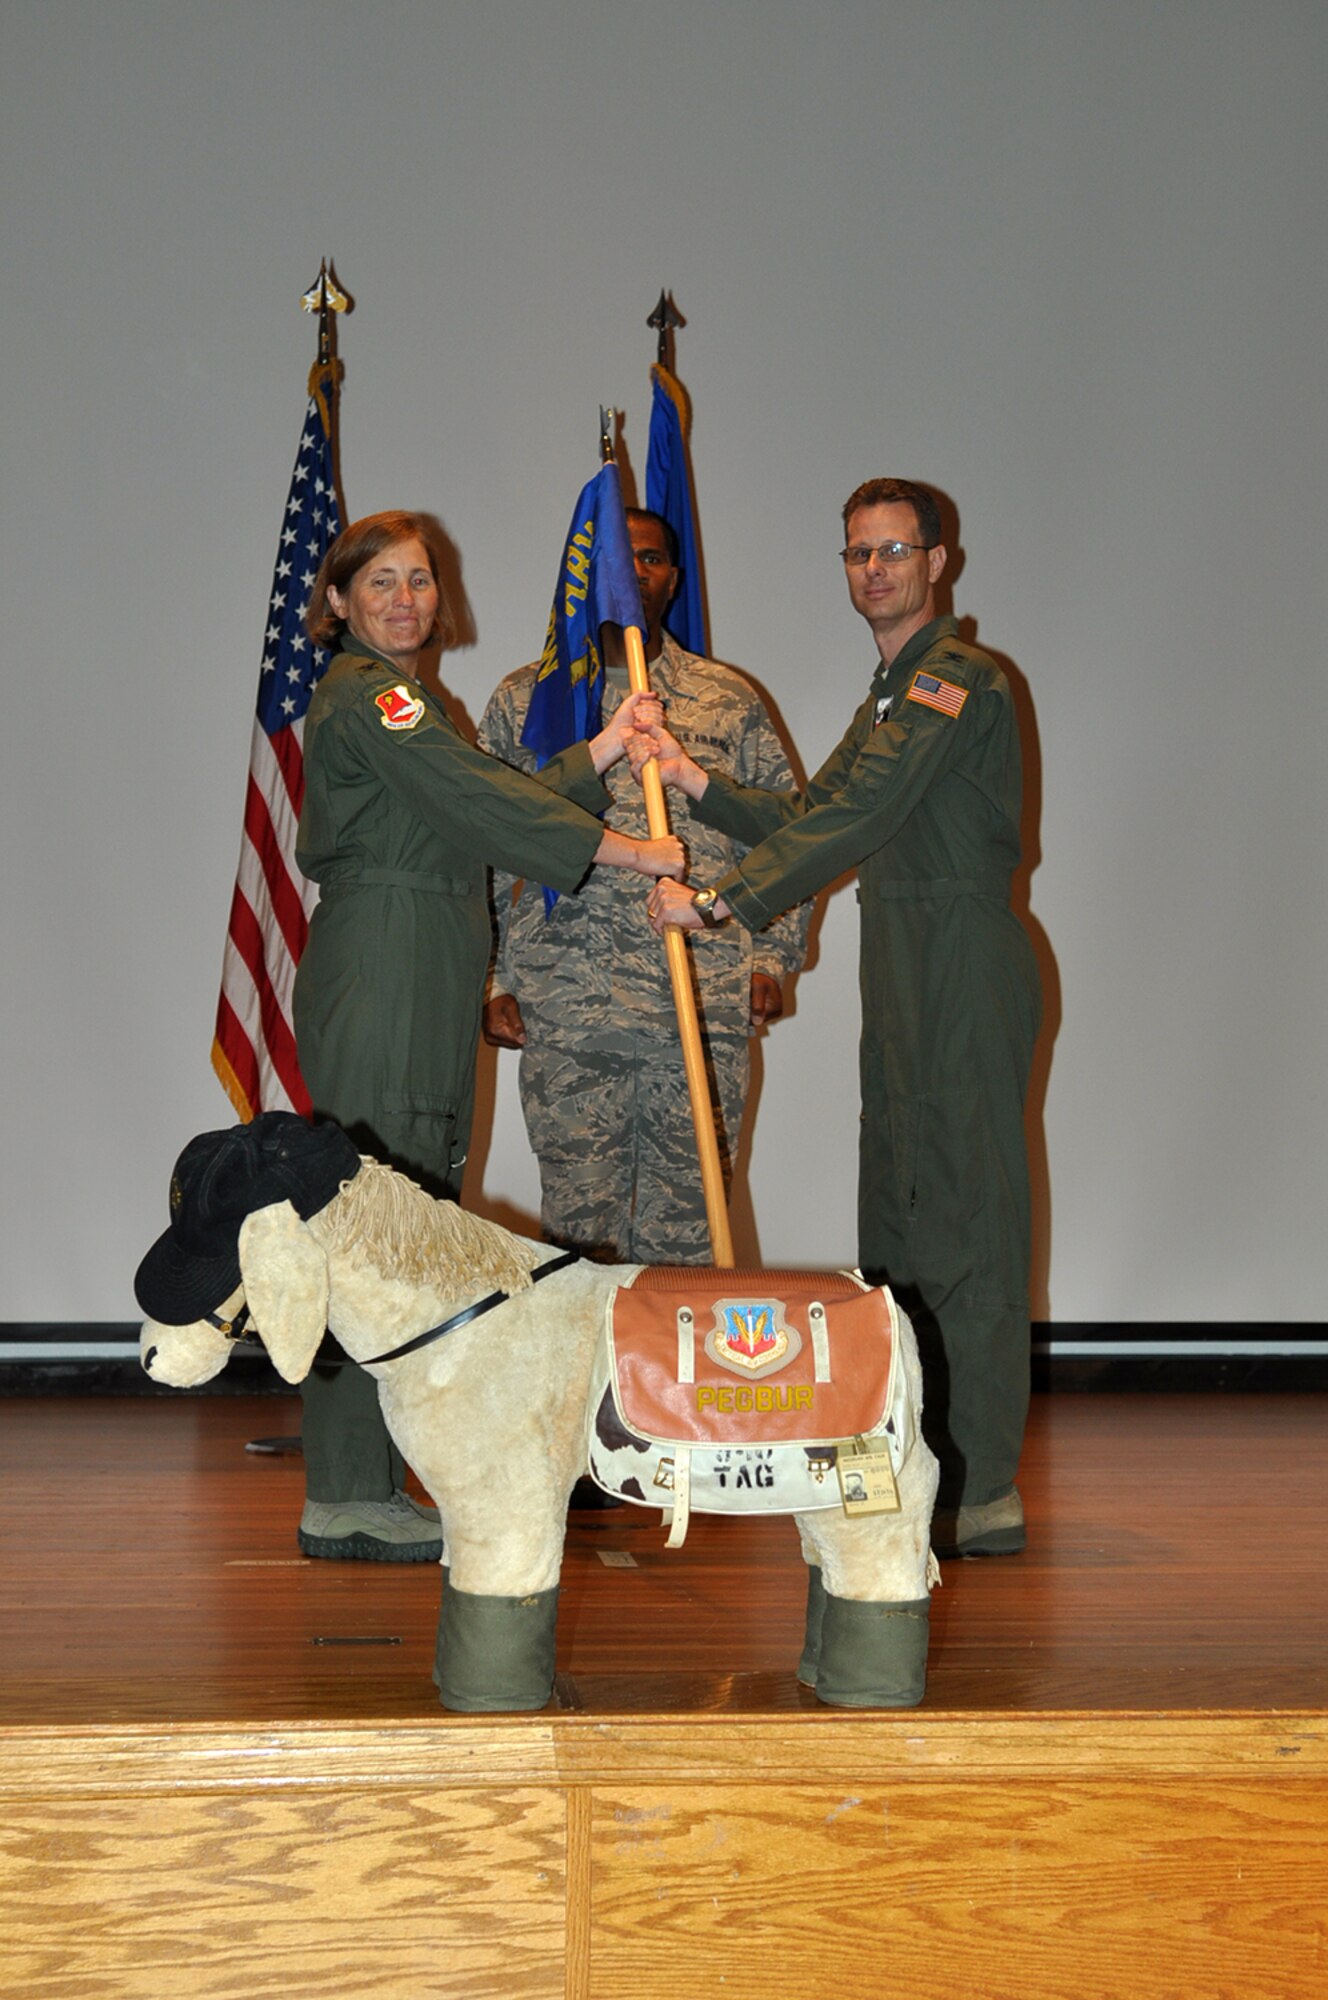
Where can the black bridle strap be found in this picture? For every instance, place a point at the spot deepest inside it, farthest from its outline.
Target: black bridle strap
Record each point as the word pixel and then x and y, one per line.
pixel 468 1313
pixel 234 1329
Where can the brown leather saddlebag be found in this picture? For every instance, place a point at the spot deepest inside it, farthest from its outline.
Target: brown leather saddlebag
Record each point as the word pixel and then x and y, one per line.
pixel 733 1391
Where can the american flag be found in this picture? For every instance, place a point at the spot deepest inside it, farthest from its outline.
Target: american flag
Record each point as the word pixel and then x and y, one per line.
pixel 253 1051
pixel 934 693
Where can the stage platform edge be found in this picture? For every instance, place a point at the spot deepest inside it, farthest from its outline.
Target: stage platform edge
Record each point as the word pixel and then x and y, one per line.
pixel 590 1857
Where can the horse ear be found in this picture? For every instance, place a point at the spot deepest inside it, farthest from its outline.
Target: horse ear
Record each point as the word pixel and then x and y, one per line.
pixel 286 1284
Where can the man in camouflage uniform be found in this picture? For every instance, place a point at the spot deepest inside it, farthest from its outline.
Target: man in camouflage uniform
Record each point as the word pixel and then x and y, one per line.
pixel 584 992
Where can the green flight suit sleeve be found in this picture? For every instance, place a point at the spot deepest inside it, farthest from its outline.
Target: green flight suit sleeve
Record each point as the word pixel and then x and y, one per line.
pixel 750 813
pixel 858 800
pixel 572 775
pixel 482 808
pixel 760 761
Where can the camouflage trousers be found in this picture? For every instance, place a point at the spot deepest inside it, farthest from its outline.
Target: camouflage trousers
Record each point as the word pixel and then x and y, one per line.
pixel 613 1134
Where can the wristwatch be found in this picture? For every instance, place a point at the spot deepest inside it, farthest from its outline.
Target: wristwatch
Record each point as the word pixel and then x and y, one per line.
pixel 703 902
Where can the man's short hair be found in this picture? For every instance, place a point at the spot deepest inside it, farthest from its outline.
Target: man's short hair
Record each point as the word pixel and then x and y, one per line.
pixel 899 493
pixel 649 514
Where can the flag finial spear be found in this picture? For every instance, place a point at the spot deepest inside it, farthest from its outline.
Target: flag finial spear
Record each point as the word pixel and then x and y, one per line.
pixel 607 416
pixel 664 318
pixel 325 297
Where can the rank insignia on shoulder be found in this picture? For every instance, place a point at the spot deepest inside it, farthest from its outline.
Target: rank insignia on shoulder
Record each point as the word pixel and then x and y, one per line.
pixel 934 693
pixel 401 709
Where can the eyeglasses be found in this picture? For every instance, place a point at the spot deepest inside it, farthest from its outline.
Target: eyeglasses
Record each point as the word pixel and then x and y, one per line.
pixel 861 553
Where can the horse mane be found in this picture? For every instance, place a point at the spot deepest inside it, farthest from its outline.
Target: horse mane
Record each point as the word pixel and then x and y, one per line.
pixel 384 1222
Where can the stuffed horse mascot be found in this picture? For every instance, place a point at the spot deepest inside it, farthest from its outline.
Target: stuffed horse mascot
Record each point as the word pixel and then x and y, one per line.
pixel 485 1348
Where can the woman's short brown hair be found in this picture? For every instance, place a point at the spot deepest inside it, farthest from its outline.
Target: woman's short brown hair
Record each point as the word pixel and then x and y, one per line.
pixel 363 542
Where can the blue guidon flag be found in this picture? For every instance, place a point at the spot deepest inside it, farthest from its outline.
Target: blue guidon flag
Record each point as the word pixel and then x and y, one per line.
pixel 669 492
pixel 596 586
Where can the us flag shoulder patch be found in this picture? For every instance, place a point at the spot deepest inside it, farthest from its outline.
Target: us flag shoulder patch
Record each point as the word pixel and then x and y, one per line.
pixel 933 693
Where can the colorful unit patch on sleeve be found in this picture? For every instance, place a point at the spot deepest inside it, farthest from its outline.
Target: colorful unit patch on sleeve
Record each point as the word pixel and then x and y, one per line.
pixel 401 709
pixel 933 693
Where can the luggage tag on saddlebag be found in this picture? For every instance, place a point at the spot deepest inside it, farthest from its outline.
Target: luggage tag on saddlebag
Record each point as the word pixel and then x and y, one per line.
pixel 867 1482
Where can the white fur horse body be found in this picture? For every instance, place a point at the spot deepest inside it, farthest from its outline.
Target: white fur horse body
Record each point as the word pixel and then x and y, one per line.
pixel 492 1416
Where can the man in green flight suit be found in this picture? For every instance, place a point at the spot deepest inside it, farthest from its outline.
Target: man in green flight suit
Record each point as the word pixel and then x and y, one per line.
pixel 922 795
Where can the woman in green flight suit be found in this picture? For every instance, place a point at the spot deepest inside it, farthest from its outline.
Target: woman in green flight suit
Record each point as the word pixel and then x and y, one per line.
pixel 401 816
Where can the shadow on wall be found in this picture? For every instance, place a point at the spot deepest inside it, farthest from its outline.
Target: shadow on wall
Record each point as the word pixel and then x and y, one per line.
pixel 1030 841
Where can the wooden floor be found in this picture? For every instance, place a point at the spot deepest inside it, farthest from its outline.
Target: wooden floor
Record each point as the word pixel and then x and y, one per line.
pixel 223 1770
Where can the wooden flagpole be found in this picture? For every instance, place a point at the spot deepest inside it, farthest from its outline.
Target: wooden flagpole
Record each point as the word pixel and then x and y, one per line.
pixel 679 963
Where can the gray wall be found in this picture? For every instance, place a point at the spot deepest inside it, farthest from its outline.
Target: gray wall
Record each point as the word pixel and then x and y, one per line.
pixel 1063 259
